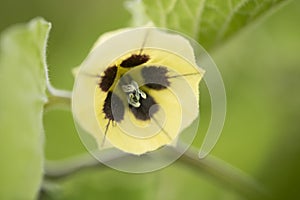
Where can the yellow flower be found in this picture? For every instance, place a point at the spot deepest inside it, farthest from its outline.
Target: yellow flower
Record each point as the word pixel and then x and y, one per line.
pixel 137 90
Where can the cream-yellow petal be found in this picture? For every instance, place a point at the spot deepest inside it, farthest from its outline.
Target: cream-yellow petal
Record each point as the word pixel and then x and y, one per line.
pixel 178 103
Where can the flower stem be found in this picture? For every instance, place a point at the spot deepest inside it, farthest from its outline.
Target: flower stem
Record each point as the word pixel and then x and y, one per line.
pixel 224 174
pixel 217 170
pixel 57 99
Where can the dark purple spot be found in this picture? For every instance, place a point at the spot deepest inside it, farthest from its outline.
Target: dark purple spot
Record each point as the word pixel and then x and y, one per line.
pixel 134 60
pixel 155 77
pixel 143 112
pixel 108 78
pixel 113 107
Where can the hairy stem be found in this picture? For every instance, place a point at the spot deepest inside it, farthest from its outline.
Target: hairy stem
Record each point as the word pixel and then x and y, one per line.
pixel 224 174
pixel 57 99
pixel 219 171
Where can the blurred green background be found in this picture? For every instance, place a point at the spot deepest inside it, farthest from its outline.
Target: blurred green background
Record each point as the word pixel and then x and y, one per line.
pixel 261 72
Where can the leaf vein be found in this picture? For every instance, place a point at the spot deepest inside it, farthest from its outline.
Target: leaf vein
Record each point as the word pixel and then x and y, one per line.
pixel 188 9
pixel 228 20
pixel 198 20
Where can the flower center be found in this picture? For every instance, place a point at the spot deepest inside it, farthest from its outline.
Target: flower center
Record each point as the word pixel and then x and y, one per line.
pixel 133 94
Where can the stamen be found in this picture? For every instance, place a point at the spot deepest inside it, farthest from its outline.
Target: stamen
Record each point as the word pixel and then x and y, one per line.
pixel 133 94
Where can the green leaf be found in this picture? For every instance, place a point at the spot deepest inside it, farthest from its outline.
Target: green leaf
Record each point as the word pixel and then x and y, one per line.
pixel 208 21
pixel 23 95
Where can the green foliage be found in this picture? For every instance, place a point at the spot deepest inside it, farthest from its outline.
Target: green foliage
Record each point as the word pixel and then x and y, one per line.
pixel 207 21
pixel 22 86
